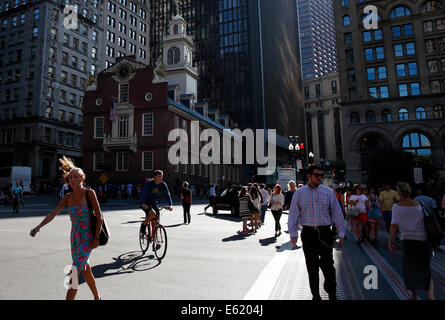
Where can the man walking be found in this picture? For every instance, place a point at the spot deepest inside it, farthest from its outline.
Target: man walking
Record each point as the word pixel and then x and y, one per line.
pixel 266 197
pixel 388 198
pixel 316 208
pixel 211 196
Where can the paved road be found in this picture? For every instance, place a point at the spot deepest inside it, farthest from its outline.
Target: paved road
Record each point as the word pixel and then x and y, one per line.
pixel 205 260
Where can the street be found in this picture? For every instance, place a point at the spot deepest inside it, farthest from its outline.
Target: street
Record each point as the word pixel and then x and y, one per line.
pixel 206 260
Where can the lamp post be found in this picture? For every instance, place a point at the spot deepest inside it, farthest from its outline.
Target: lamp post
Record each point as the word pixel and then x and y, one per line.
pixel 311 158
pixel 296 149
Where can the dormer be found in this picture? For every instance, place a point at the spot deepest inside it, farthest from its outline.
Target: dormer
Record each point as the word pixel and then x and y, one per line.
pixel 224 120
pixel 202 108
pixel 214 115
pixel 174 92
pixel 188 100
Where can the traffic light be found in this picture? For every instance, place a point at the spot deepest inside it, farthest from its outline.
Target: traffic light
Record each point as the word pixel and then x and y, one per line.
pixel 302 149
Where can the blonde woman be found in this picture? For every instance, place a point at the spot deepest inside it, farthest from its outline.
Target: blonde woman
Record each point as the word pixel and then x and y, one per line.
pixel 83 239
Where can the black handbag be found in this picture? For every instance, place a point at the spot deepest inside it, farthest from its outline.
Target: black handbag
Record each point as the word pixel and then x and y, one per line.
pixel 104 233
pixel 432 227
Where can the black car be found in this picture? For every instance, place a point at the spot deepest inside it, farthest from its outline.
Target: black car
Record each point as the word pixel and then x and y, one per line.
pixel 227 200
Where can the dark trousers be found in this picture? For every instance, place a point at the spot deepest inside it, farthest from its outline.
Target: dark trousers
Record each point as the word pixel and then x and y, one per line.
pixel 317 248
pixel 211 200
pixel 186 207
pixel 277 216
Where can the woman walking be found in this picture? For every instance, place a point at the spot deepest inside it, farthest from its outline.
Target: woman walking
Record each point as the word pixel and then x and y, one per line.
pixel 408 217
pixel 83 239
pixel 276 203
pixel 360 201
pixel 348 195
pixel 244 211
pixel 373 216
pixel 186 196
pixel 257 198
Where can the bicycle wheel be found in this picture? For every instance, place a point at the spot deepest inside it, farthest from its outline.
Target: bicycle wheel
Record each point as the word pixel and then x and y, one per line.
pixel 160 242
pixel 144 241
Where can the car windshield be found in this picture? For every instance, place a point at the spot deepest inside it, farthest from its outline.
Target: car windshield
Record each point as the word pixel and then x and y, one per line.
pixel 224 193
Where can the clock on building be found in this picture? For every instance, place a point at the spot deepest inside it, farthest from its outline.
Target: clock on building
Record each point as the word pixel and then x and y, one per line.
pixel 124 72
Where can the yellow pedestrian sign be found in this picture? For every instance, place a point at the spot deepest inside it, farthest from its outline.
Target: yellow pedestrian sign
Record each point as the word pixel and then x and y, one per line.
pixel 103 178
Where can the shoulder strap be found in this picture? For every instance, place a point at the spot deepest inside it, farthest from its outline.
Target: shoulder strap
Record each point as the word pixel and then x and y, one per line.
pixel 90 207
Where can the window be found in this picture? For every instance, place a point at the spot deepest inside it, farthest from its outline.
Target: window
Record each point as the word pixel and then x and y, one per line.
pixel 412 69
pixel 435 86
pixel 386 116
pixel 62 115
pixel 430 46
pixel 367 36
pixel 123 92
pixel 99 161
pixel 370 116
pixel 173 55
pixel 346 21
pixel 428 26
pixel 369 54
pixel 344 3
pixel 420 113
pixel 408 30
pixel 147 124
pixel 123 126
pixel 417 144
pixel 122 161
pixel 431 6
pixel 384 92
pixel 440 24
pixel 403 90
pixel 355 118
pixel 398 50
pixel 147 161
pixel 438 112
pixel 334 86
pixel 410 48
pixel 400 11
pixel 400 69
pixel 415 88
pixel 349 56
pixel 348 38
pixel 99 128
pixel 351 75
pixel 380 53
pixel 382 72
pixel 373 92
pixel 403 114
pixel 306 92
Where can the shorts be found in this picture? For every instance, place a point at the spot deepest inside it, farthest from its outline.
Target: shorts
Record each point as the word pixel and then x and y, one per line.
pixel 363 217
pixel 154 208
pixel 374 220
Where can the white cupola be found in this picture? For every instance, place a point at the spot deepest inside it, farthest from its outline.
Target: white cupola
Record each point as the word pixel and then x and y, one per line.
pixel 178 50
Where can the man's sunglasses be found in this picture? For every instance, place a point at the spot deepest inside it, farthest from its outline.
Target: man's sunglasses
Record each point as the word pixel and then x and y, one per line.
pixel 318 175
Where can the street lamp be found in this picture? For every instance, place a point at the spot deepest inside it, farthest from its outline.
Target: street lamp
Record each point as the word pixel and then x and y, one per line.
pixel 311 158
pixel 296 149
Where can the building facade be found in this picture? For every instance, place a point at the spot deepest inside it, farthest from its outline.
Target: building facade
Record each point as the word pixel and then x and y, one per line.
pixel 45 66
pixel 317 38
pixel 392 80
pixel 324 136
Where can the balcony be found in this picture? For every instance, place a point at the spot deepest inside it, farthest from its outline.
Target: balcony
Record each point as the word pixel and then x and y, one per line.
pixel 120 143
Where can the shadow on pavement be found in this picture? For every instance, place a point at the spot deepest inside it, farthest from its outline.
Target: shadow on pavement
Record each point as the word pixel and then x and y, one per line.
pixel 235 237
pixel 267 241
pixel 126 263
pixel 227 217
pixel 174 225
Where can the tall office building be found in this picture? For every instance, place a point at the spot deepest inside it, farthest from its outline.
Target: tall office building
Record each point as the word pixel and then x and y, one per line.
pixel 247 58
pixel 317 38
pixel 45 65
pixel 392 81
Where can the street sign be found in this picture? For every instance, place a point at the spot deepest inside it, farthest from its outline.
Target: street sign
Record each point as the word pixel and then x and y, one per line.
pixel 299 165
pixel 103 178
pixel 418 175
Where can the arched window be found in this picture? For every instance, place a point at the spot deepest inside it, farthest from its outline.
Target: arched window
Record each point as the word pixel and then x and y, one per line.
pixel 403 114
pixel 430 6
pixel 175 29
pixel 386 116
pixel 355 117
pixel 370 116
pixel 346 21
pixel 416 143
pixel 173 55
pixel 420 113
pixel 400 11
pixel 438 111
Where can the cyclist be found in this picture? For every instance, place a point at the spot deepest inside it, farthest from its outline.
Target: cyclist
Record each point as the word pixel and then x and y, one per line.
pixel 150 196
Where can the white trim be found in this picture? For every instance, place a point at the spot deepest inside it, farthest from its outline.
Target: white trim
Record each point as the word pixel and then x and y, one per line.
pixel 143 161
pixel 117 161
pixel 94 161
pixel 95 127
pixel 152 124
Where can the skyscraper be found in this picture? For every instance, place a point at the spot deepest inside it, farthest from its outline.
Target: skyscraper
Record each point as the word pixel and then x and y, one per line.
pixel 317 38
pixel 246 57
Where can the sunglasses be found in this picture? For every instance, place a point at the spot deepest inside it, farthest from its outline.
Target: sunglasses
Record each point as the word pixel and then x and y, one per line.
pixel 318 175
